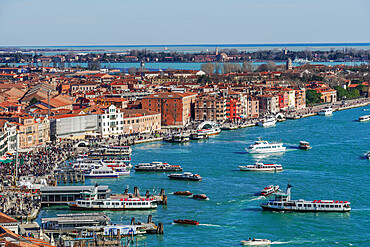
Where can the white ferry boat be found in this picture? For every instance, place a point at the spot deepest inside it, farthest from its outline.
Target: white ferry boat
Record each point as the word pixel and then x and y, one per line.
pixel 261 147
pixel 364 118
pixel 185 176
pixel 157 167
pixel 326 111
pixel 269 190
pixel 260 167
pixel 282 202
pixel 101 172
pixel 90 201
pixel 267 122
pixel 255 241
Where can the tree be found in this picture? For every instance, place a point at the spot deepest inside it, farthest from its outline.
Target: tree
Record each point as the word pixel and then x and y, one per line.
pixel 218 68
pixel 247 66
pixel 261 68
pixel 271 66
pixel 313 97
pixel 94 65
pixel 207 68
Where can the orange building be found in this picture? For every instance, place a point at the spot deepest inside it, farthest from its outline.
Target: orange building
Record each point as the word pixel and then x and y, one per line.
pixel 175 108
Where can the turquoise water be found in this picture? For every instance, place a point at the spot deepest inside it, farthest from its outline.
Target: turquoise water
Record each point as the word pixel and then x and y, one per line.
pixel 332 169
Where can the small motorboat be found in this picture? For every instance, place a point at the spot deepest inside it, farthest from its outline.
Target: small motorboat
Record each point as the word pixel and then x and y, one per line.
pixel 269 190
pixel 256 241
pixel 200 196
pixel 304 145
pixel 183 193
pixel 188 222
pixel 367 155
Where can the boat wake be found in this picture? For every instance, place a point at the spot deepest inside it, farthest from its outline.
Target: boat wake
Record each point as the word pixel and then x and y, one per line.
pixel 210 225
pixel 280 242
pixel 257 198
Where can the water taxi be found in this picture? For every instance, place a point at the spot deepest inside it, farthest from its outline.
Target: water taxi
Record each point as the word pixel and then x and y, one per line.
pixel 185 176
pixel 90 201
pixel 304 145
pixel 261 147
pixel 267 122
pixel 157 167
pixel 183 193
pixel 271 189
pixel 256 241
pixel 188 222
pixel 282 202
pixel 260 167
pixel 200 196
pixel 364 118
pixel 326 111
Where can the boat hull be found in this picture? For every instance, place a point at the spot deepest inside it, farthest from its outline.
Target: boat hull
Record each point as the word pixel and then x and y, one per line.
pixel 158 170
pixel 96 176
pixel 242 168
pixel 267 208
pixel 256 151
pixel 185 179
pixel 74 207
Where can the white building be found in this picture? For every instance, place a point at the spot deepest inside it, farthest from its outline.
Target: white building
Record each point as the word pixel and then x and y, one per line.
pixel 111 121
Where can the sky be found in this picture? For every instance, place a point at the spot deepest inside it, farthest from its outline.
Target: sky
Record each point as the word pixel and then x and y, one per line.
pixel 172 22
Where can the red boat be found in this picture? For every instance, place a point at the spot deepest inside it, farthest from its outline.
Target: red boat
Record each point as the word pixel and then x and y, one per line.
pixel 183 193
pixel 201 196
pixel 188 222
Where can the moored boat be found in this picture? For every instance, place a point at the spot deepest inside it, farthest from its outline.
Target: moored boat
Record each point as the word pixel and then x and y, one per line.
pixel 183 193
pixel 267 122
pixel 178 138
pixel 304 145
pixel 187 222
pixel 157 167
pixel 198 136
pixel 261 147
pixel 185 176
pixel 200 196
pixel 90 201
pixel 269 190
pixel 102 172
pixel 209 128
pixel 260 167
pixel 326 111
pixel 283 202
pixel 255 241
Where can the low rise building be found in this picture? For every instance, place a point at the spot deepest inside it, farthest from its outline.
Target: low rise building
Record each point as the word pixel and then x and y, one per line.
pixel 73 125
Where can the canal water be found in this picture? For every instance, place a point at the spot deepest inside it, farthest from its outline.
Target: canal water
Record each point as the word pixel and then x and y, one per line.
pixel 333 169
